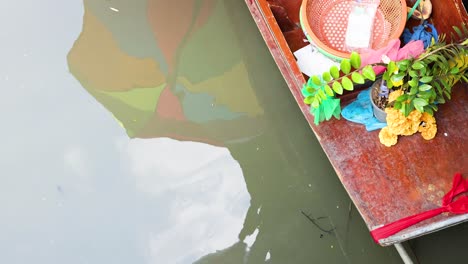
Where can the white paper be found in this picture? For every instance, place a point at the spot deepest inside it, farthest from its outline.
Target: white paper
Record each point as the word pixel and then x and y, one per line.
pixel 312 62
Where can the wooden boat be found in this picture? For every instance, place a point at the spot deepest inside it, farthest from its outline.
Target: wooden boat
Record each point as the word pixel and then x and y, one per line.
pixel 384 184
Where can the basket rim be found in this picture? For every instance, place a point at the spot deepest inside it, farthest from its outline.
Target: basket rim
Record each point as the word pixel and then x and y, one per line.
pixel 336 53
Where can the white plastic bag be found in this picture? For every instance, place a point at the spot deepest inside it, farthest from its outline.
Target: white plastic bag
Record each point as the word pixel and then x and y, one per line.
pixel 360 24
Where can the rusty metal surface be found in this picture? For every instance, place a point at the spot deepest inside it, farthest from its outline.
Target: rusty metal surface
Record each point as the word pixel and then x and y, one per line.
pixel 385 184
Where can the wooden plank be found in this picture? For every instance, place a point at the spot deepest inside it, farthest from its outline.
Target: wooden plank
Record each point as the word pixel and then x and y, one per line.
pixel 385 184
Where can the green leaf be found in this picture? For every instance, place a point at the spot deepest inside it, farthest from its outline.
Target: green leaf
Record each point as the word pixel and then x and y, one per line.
pixel 413 74
pixel 459 33
pixel 419 103
pixel 328 112
pixel 419 108
pixel 389 85
pixel 407 108
pixel 422 71
pixel 308 100
pixel 433 96
pixel 347 83
pixel 337 88
pixel 316 80
pixel 335 72
pixel 414 90
pixel 446 85
pixel 345 66
pixel 397 77
pixel 328 108
pixel 355 60
pixel 403 109
pixel 410 107
pixel 429 72
pixel 441 100
pixel 465 79
pixel 414 82
pixel 417 65
pixel 424 87
pixel 465 29
pixel 391 67
pixel 311 90
pixel 443 63
pixel 317 116
pixel 368 73
pixel 326 76
pixel 402 68
pixel 397 105
pixel 425 95
pixel 322 94
pixel 426 79
pixel 328 90
pixel 386 76
pixel 315 102
pixel 357 78
pixel 403 63
pixel 448 95
pixel 402 98
pixel 455 70
pixel 337 112
pixel 428 110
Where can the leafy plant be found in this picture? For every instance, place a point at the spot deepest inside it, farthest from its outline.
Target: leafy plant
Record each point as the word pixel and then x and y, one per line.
pixel 320 90
pixel 426 81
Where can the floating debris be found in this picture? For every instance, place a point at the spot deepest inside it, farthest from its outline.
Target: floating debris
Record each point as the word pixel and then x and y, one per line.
pixel 314 221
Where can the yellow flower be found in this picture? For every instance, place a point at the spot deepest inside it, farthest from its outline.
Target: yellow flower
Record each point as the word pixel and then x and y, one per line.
pixel 398 124
pixel 387 138
pixel 427 118
pixel 428 131
pixel 428 127
pixel 394 95
pixel 397 84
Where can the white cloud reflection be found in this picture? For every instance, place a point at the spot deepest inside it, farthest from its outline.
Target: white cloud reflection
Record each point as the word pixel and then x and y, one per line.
pixel 74 159
pixel 205 196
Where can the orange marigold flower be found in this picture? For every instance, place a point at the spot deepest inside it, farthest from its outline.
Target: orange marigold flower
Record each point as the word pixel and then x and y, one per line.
pixel 394 95
pixel 398 124
pixel 427 118
pixel 387 138
pixel 428 127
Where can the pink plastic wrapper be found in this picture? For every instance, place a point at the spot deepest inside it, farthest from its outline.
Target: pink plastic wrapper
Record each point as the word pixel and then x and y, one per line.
pixel 411 50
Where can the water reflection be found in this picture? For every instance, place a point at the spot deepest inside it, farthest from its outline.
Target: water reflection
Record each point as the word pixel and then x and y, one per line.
pixel 195 71
pixel 200 202
pixel 176 88
pixel 183 86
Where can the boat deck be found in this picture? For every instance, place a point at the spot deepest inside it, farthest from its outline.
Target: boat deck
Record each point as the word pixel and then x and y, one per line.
pixel 385 184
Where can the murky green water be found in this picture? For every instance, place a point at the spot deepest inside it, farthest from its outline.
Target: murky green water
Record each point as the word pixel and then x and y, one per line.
pixel 160 132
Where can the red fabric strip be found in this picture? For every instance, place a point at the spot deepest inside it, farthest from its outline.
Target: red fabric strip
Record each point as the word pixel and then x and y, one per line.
pixel 459 206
